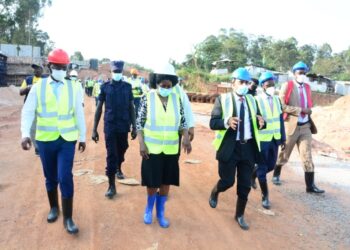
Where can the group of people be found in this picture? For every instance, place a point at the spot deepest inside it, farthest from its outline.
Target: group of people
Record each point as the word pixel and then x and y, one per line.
pixel 249 132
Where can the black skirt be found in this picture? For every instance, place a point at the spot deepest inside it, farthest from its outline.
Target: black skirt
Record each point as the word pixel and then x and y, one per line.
pixel 160 170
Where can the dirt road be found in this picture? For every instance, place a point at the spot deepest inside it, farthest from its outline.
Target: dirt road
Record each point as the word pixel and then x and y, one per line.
pixel 298 220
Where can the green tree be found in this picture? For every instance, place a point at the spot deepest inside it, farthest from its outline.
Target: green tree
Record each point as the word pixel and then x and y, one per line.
pixel 307 54
pixel 77 56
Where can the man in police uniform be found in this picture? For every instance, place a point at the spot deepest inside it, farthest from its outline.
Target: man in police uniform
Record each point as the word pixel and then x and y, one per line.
pixel 236 118
pixel 24 90
pixel 57 102
pixel 119 115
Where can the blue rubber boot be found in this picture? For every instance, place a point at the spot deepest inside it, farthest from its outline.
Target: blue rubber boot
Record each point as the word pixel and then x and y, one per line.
pixel 148 216
pixel 160 206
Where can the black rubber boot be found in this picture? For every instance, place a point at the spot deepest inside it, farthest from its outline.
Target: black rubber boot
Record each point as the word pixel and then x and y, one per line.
pixel 67 209
pixel 310 184
pixel 213 199
pixel 111 191
pixel 253 181
pixel 240 207
pixel 265 195
pixel 276 175
pixel 54 210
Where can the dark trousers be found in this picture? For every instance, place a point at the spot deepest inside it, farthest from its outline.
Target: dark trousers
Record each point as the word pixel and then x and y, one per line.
pixel 242 162
pixel 116 145
pixel 96 100
pixel 269 153
pixel 57 160
pixel 137 105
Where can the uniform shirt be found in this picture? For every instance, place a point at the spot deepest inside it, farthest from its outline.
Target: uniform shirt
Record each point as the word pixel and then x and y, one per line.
pixel 247 125
pixel 302 87
pixel 117 96
pixel 142 115
pixel 25 84
pixel 30 106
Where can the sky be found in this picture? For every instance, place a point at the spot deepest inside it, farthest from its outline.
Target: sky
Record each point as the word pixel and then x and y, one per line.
pixel 151 32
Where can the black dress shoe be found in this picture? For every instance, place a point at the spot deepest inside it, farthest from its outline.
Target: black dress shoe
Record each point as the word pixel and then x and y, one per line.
pixel 242 223
pixel 213 199
pixel 119 174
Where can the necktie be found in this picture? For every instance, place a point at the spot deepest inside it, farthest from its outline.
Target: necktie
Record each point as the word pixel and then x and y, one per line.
pixel 241 122
pixel 302 99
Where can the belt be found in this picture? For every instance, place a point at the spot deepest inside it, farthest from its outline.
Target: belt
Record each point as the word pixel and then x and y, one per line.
pixel 302 123
pixel 244 141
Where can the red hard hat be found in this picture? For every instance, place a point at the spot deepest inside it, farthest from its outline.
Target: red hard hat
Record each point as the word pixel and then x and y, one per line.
pixel 58 56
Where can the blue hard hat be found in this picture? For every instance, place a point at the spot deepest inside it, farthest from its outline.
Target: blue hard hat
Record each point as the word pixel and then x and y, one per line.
pixel 241 74
pixel 300 66
pixel 266 76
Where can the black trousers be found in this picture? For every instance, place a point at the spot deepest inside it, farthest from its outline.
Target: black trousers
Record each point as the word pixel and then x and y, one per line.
pixel 241 162
pixel 116 145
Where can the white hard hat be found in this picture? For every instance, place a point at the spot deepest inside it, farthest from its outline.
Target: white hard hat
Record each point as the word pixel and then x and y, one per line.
pixel 73 73
pixel 166 69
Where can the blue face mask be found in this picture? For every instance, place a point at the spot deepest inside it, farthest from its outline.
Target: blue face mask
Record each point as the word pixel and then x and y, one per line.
pixel 242 89
pixel 117 76
pixel 165 92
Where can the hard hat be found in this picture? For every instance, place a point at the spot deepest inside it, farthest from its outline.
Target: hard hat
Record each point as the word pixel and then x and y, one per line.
pixel 300 66
pixel 73 73
pixel 58 56
pixel 134 72
pixel 241 74
pixel 266 76
pixel 166 69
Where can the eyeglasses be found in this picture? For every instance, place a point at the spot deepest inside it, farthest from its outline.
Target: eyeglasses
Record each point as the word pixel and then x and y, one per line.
pixel 59 66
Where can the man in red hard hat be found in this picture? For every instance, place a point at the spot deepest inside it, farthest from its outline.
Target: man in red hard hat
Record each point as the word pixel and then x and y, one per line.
pixel 57 103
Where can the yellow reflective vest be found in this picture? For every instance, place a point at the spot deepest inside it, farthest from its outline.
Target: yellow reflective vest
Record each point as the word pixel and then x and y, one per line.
pixel 227 111
pixel 56 118
pixel 272 119
pixel 136 86
pixel 161 131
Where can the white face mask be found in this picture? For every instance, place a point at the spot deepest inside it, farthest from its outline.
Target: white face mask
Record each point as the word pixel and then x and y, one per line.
pixel 270 91
pixel 300 78
pixel 58 75
pixel 242 90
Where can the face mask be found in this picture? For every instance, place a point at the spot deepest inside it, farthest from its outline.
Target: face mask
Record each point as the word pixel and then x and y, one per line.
pixel 270 91
pixel 300 78
pixel 117 76
pixel 242 90
pixel 165 92
pixel 73 78
pixel 58 75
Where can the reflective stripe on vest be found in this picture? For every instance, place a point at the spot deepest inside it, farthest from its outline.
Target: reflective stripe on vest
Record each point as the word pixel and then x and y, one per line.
pixel 53 118
pixel 227 112
pixel 161 131
pixel 273 124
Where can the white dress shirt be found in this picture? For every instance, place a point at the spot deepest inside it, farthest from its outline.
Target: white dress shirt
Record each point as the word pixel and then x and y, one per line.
pixel 302 87
pixel 30 106
pixel 247 128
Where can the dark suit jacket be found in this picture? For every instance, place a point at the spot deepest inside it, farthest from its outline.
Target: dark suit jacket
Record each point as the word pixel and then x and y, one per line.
pixel 228 144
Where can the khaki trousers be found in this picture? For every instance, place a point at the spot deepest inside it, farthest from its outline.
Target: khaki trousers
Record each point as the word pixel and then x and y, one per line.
pixel 302 137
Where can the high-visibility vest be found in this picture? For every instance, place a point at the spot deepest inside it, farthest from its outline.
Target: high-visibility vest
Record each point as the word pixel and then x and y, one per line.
pixel 96 90
pixel 273 122
pixel 56 118
pixel 136 86
pixel 161 131
pixel 177 90
pixel 227 111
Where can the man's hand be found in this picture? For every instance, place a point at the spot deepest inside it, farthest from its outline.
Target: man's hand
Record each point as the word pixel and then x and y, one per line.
pixel 283 146
pixel 261 121
pixel 233 121
pixel 306 111
pixel 133 134
pixel 191 133
pixel 26 143
pixel 81 147
pixel 144 151
pixel 186 145
pixel 95 136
